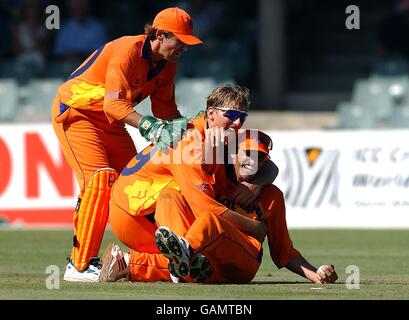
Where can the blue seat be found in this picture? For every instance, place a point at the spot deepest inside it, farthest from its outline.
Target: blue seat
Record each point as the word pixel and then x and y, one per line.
pixel 391 66
pixel 61 69
pixel 8 99
pixel 399 118
pixel 21 72
pixel 38 98
pixel 354 116
pixel 373 97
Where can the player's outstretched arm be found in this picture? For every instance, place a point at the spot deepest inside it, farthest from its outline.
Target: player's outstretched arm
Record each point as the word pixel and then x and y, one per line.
pixel 324 274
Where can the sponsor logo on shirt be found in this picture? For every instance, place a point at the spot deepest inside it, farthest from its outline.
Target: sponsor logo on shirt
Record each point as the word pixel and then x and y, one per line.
pixel 202 187
pixel 114 95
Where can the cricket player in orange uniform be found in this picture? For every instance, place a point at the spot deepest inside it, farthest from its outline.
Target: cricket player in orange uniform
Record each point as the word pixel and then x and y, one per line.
pixel 212 249
pixel 269 207
pixel 143 187
pixel 90 112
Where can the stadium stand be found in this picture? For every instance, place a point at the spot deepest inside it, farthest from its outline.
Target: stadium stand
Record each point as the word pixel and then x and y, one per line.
pixel 9 99
pixel 324 66
pixel 376 102
pixel 399 118
pixel 354 116
pixel 391 66
pixel 191 94
pixel 373 96
pixel 61 69
pixel 36 99
pixel 21 72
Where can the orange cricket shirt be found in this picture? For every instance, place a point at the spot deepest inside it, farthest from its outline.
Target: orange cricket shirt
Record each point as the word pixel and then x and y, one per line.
pixel 141 182
pixel 119 75
pixel 280 244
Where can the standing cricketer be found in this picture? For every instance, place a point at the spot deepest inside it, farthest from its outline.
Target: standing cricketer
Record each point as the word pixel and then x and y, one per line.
pixel 91 109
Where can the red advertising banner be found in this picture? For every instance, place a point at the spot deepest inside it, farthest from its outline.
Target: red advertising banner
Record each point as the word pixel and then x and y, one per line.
pixel 37 186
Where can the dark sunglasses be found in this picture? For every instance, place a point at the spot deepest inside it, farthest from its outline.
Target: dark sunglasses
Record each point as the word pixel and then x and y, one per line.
pixel 233 114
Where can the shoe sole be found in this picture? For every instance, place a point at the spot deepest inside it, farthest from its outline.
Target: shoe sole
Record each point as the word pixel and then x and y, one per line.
pixel 107 259
pixel 169 245
pixel 200 268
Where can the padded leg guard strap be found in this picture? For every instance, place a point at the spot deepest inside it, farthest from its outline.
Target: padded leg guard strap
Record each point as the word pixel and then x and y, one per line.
pixel 93 217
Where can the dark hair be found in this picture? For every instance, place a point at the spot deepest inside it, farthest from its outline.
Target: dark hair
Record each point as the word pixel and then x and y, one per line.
pixel 151 32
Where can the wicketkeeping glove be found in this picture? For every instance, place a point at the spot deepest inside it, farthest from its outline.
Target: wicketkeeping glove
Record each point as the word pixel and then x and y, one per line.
pixel 162 132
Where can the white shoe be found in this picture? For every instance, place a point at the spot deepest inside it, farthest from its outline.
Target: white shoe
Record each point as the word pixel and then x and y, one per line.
pixel 115 264
pixel 89 275
pixel 174 279
pixel 176 249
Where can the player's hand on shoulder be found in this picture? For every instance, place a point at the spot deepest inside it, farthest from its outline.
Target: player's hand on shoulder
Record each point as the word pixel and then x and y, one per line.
pixel 162 132
pixel 245 193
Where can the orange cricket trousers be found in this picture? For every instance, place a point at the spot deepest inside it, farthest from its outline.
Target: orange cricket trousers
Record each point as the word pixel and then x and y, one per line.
pixel 138 233
pixel 90 143
pixel 234 256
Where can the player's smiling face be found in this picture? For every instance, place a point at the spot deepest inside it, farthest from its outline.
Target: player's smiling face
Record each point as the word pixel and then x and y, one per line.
pixel 248 163
pixel 171 48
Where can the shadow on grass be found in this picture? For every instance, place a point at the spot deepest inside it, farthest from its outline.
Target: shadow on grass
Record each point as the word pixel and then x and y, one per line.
pixel 263 282
pixel 278 282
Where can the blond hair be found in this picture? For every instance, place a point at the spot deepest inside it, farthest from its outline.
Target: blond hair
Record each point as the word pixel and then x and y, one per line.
pixel 226 95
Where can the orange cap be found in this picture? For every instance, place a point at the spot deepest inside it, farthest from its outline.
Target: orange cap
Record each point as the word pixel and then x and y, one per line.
pixel 178 22
pixel 256 140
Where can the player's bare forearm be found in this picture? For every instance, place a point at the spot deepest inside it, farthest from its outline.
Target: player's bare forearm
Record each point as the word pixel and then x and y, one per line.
pixel 248 191
pixel 133 119
pixel 266 175
pixel 302 267
pixel 252 227
pixel 324 274
pixel 175 116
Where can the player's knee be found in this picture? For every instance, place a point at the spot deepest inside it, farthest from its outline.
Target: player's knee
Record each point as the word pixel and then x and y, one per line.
pixel 169 195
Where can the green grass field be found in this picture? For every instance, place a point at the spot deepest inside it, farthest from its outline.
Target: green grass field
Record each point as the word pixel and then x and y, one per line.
pixel 381 255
